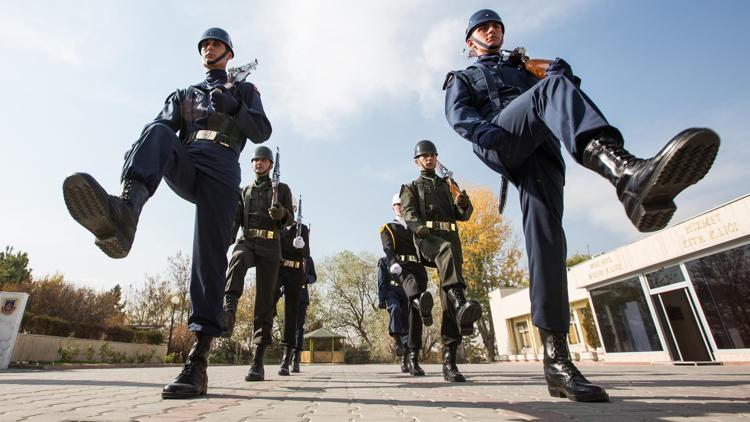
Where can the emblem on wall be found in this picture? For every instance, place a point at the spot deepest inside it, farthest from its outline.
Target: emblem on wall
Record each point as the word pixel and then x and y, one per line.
pixel 9 306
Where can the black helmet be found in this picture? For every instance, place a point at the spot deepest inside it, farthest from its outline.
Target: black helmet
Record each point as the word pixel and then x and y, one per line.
pixel 263 152
pixel 424 147
pixel 216 34
pixel 480 17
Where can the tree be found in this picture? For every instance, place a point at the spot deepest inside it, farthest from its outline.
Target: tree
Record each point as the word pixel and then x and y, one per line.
pixel 491 258
pixel 576 259
pixel 351 286
pixel 150 304
pixel 178 274
pixel 14 267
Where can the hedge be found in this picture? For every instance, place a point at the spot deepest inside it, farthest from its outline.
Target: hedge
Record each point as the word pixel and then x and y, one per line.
pixel 51 326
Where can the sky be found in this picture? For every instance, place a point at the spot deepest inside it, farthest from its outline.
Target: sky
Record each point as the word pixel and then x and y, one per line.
pixel 349 88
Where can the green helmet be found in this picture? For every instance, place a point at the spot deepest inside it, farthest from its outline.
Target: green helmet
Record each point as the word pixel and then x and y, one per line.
pixel 424 147
pixel 262 152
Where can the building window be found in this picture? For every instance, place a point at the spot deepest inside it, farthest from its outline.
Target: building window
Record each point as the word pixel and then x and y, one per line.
pixel 523 336
pixel 722 284
pixel 665 277
pixel 624 318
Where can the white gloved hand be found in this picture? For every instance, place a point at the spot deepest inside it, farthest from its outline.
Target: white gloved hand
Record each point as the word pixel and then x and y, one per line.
pixel 396 269
pixel 298 242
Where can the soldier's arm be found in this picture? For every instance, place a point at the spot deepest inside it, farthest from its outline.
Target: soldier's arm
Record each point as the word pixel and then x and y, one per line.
pixel 170 115
pixel 238 219
pixel 462 115
pixel 306 238
pixel 286 203
pixel 251 117
pixel 388 239
pixel 410 208
pixel 312 276
pixel 383 278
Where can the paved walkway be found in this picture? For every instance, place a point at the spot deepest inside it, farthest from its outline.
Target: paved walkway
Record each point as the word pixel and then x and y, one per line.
pixel 504 391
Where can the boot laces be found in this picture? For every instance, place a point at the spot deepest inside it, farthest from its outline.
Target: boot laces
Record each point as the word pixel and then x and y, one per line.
pixel 562 357
pixel 617 150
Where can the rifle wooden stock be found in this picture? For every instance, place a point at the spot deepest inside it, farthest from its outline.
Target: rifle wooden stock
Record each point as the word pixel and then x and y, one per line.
pixel 455 190
pixel 537 67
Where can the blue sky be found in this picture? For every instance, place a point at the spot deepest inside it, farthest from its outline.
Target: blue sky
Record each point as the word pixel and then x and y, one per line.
pixel 349 87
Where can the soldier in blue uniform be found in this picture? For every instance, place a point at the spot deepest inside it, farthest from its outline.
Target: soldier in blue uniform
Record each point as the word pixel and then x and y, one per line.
pixel 304 301
pixel 517 124
pixel 259 246
pixel 294 250
pixel 194 144
pixel 402 289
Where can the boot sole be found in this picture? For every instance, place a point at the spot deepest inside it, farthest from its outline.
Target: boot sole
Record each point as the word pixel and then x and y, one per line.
pixel 90 210
pixel 454 380
pixel 694 153
pixel 253 379
pixel 425 309
pixel 558 393
pixel 470 314
pixel 178 395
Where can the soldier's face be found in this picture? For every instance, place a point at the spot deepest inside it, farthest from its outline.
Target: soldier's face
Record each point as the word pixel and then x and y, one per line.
pixel 426 161
pixel 261 166
pixel 397 209
pixel 488 33
pixel 211 50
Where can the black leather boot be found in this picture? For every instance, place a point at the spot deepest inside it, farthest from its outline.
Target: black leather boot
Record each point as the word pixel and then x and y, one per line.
pixel 467 311
pixel 414 367
pixel 405 362
pixel 193 380
pixel 563 378
pixel 230 312
pixel 112 219
pixel 295 361
pixel 424 303
pixel 450 370
pixel 286 360
pixel 647 188
pixel 398 346
pixel 256 372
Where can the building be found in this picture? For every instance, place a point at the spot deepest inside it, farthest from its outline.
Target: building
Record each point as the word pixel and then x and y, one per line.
pixel 678 295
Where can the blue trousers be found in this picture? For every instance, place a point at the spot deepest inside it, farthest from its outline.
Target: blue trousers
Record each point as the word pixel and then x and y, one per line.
pixel 158 154
pixel 552 113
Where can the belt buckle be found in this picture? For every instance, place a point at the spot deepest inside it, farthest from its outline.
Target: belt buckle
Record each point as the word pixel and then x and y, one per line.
pixel 206 134
pixel 430 224
pixel 269 234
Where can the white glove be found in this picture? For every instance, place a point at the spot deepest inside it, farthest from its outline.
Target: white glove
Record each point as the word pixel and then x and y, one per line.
pixel 396 269
pixel 298 242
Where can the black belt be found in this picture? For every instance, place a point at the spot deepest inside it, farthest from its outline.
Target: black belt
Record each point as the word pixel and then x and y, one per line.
pixel 215 137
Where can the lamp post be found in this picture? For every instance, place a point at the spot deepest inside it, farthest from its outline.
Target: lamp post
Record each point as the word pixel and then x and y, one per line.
pixel 175 301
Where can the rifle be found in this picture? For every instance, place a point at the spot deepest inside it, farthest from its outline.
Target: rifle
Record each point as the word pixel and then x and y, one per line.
pixel 236 75
pixel 299 217
pixel 448 176
pixel 275 179
pixel 517 56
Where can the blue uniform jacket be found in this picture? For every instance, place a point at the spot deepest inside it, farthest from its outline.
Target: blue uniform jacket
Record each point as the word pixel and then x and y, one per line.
pixel 388 293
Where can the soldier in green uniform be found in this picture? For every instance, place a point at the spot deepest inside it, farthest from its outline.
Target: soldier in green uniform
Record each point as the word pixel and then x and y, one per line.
pixel 295 248
pixel 258 246
pixel 431 212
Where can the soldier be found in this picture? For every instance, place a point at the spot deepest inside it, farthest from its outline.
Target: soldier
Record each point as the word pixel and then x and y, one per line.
pixel 409 303
pixel 392 298
pixel 258 246
pixel 517 124
pixel 200 165
pixel 304 301
pixel 294 250
pixel 431 212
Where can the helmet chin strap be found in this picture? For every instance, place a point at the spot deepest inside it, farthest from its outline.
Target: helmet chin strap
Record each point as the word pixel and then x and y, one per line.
pixel 218 59
pixel 490 48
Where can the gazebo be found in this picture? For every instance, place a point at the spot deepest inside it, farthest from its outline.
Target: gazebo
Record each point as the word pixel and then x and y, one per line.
pixel 312 355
